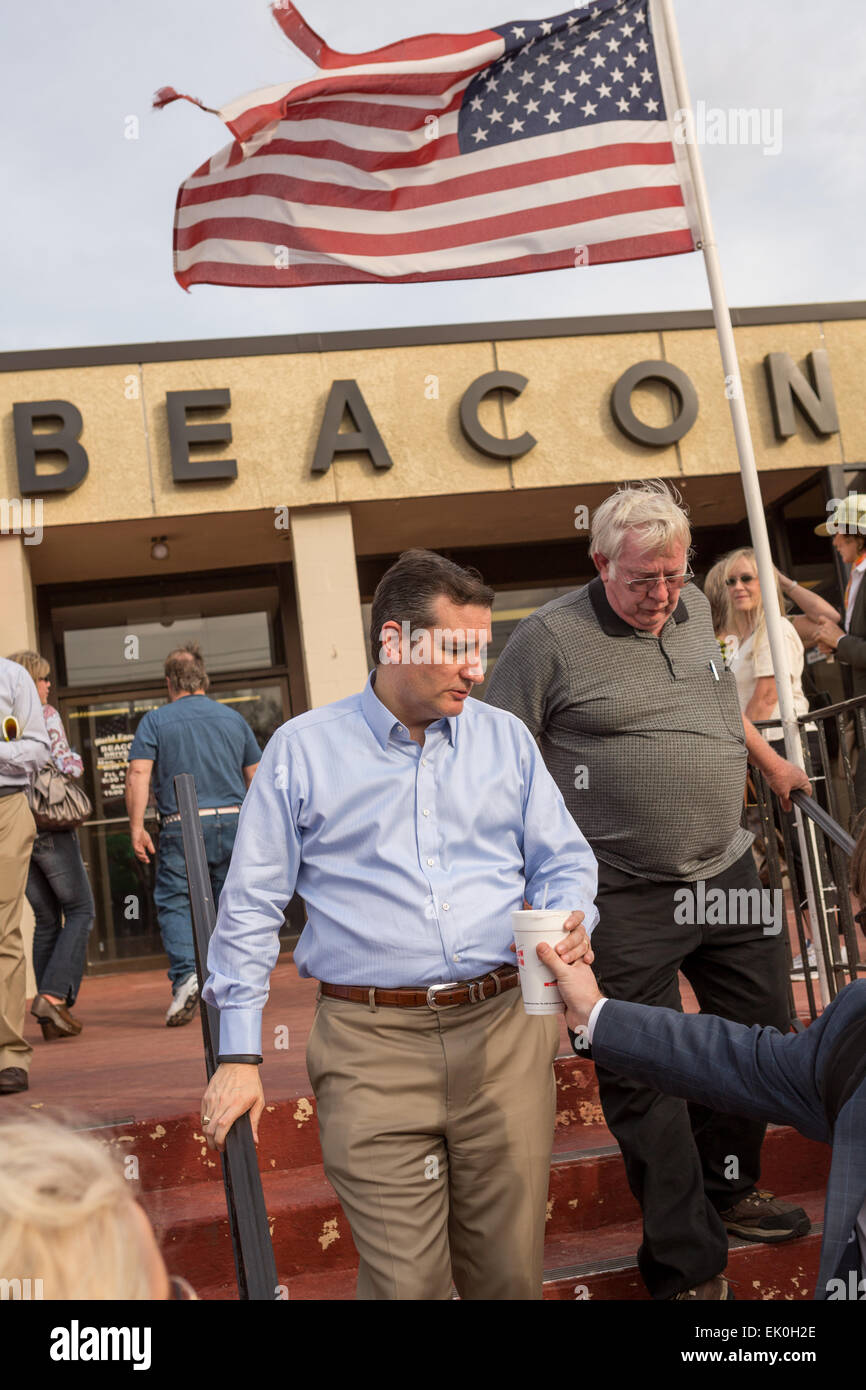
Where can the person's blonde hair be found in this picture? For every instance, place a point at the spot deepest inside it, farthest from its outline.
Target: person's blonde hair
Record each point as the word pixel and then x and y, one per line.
pixel 35 665
pixel 738 622
pixel 716 592
pixel 67 1215
pixel 653 509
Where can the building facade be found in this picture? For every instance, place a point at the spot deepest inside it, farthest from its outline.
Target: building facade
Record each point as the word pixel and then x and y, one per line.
pixel 250 493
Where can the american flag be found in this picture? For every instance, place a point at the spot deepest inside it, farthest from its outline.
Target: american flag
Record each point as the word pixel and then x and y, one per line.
pixel 531 146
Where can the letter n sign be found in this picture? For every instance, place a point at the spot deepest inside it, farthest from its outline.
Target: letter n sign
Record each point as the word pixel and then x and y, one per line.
pixel 364 438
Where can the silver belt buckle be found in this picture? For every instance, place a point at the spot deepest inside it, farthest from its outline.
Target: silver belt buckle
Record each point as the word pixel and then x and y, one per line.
pixel 434 990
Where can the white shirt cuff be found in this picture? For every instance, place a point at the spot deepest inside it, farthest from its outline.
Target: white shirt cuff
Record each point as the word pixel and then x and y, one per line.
pixel 591 1021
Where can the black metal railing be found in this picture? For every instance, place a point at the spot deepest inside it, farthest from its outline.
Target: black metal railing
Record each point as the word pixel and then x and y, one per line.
pixel 821 906
pixel 255 1267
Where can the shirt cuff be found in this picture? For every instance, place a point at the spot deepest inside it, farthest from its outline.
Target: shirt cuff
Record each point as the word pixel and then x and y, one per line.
pixel 240 1032
pixel 591 1021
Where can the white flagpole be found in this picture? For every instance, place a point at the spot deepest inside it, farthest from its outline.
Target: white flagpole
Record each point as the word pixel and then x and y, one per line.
pixel 746 454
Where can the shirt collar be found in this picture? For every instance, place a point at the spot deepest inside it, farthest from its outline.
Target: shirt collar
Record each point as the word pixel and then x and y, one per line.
pixel 383 723
pixel 611 622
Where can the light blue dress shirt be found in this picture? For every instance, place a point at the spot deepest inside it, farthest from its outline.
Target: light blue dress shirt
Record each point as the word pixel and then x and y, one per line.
pixel 410 859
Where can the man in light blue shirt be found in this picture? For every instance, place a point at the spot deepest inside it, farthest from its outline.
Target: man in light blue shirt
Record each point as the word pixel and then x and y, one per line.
pixel 413 821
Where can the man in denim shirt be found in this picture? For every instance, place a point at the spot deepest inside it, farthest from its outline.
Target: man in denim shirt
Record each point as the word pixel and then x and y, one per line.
pixel 197 735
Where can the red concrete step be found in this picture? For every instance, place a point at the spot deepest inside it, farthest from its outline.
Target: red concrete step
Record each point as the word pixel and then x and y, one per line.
pixel 604 1266
pixel 588 1199
pixel 172 1152
pixel 581 1267
pixel 308 1229
pixel 589 1189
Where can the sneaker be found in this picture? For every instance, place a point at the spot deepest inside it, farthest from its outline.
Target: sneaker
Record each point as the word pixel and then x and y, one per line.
pixel 797 971
pixel 715 1288
pixel 761 1216
pixel 183 1004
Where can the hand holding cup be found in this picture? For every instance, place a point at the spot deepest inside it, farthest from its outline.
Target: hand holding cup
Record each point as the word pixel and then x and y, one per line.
pixel 576 983
pixel 565 933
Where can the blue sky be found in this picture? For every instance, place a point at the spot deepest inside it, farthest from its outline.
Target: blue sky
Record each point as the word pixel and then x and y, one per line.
pixel 86 240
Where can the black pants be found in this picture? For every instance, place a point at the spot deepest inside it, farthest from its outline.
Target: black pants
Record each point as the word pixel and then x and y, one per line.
pixel 685 1163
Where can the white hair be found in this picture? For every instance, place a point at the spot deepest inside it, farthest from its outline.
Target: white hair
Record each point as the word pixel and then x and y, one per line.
pixel 653 509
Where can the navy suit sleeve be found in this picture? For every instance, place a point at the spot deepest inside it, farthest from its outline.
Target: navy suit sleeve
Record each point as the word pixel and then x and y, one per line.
pixel 756 1072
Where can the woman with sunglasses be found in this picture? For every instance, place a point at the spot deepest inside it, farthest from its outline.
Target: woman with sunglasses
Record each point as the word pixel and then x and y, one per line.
pixel 57 888
pixel 752 663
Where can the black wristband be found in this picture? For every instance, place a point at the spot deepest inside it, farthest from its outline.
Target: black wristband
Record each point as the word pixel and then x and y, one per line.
pixel 249 1057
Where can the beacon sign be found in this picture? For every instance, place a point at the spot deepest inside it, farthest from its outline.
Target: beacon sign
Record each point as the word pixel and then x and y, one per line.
pixel 48 431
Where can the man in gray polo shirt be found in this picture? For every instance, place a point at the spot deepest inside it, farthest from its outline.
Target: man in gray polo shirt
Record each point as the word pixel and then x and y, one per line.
pixel 639 723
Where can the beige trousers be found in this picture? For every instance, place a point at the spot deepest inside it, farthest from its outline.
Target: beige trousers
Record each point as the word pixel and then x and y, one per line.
pixel 436 1129
pixel 17 833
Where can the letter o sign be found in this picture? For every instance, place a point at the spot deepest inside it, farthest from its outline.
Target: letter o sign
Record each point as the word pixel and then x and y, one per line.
pixel 684 416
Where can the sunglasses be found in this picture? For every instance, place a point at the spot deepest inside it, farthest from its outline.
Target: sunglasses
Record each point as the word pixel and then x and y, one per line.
pixel 741 579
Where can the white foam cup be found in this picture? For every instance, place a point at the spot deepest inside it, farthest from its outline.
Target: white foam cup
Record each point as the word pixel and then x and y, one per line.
pixel 540 991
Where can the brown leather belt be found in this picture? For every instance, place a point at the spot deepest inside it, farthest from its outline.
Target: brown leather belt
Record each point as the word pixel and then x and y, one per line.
pixel 436 997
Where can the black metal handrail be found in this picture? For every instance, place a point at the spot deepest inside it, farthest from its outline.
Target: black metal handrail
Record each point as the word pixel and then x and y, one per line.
pixel 829 845
pixel 824 821
pixel 255 1266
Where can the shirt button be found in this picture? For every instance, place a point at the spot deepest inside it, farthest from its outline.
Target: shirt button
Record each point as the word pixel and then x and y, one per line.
pixel 423 762
pixel 445 907
pixel 457 957
pixel 430 862
pixel 425 813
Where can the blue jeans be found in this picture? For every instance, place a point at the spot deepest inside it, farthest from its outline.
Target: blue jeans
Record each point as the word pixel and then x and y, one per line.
pixel 59 893
pixel 171 891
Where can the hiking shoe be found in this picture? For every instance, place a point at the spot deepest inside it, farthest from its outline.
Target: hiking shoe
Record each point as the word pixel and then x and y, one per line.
pixel 761 1216
pixel 183 1004
pixel 715 1288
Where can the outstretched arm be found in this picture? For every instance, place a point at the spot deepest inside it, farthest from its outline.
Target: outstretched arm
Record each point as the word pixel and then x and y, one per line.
pixel 757 1072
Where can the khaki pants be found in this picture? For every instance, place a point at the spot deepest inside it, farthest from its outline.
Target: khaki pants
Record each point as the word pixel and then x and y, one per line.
pixel 436 1129
pixel 17 833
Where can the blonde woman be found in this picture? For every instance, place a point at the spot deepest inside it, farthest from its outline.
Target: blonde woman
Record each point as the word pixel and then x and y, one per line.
pixel 751 663
pixel 69 1223
pixel 57 888
pixel 716 592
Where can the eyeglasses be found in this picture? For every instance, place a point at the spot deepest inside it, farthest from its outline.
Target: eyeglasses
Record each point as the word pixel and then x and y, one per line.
pixel 741 579
pixel 671 581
